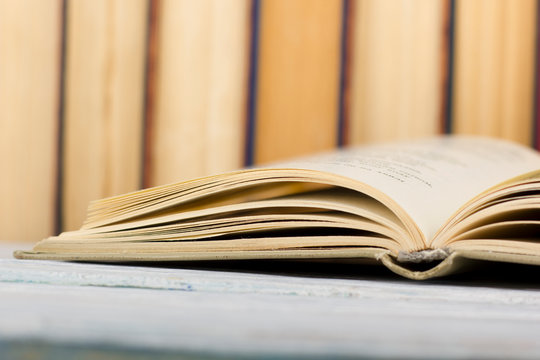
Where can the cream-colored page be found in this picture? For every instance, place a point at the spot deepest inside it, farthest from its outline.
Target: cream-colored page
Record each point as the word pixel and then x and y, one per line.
pixel 430 179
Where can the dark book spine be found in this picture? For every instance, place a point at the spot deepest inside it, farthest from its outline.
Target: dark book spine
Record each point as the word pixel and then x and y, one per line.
pixel 59 198
pixel 150 90
pixel 447 72
pixel 347 32
pixel 249 153
pixel 536 101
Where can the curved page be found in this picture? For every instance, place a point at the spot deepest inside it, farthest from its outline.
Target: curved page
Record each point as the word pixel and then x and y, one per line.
pixel 430 179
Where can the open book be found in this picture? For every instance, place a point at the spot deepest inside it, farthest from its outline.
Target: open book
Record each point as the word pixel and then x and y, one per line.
pixel 437 201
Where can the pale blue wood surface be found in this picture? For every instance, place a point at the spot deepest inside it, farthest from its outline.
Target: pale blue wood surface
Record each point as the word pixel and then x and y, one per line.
pixel 68 307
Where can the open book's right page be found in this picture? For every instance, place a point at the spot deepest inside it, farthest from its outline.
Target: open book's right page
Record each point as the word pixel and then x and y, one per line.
pixel 430 179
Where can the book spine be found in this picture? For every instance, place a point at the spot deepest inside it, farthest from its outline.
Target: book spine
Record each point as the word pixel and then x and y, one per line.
pixel 347 40
pixel 196 126
pixel 251 110
pixel 536 116
pixel 448 51
pixel 103 115
pixel 494 68
pixel 298 78
pixel 150 93
pixel 30 48
pixel 396 87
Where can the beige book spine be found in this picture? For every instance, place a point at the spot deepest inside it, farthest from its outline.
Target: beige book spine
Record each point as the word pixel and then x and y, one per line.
pixel 104 97
pixel 396 85
pixel 30 48
pixel 197 126
pixel 494 68
pixel 298 78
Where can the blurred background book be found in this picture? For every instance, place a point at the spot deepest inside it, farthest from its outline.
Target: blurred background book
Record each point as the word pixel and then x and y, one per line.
pixel 103 97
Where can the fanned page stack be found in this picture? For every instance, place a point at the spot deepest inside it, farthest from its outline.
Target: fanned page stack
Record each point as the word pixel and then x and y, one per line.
pixel 437 201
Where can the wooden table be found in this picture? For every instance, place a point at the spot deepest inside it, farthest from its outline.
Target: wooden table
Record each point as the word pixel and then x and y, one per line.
pixel 57 309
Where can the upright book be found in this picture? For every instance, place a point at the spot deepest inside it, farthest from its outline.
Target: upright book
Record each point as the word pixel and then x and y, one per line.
pixel 297 78
pixel 198 94
pixel 494 54
pixel 438 201
pixel 396 83
pixel 103 103
pixel 30 48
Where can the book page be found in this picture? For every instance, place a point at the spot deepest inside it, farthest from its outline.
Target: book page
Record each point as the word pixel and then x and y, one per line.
pixel 431 178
